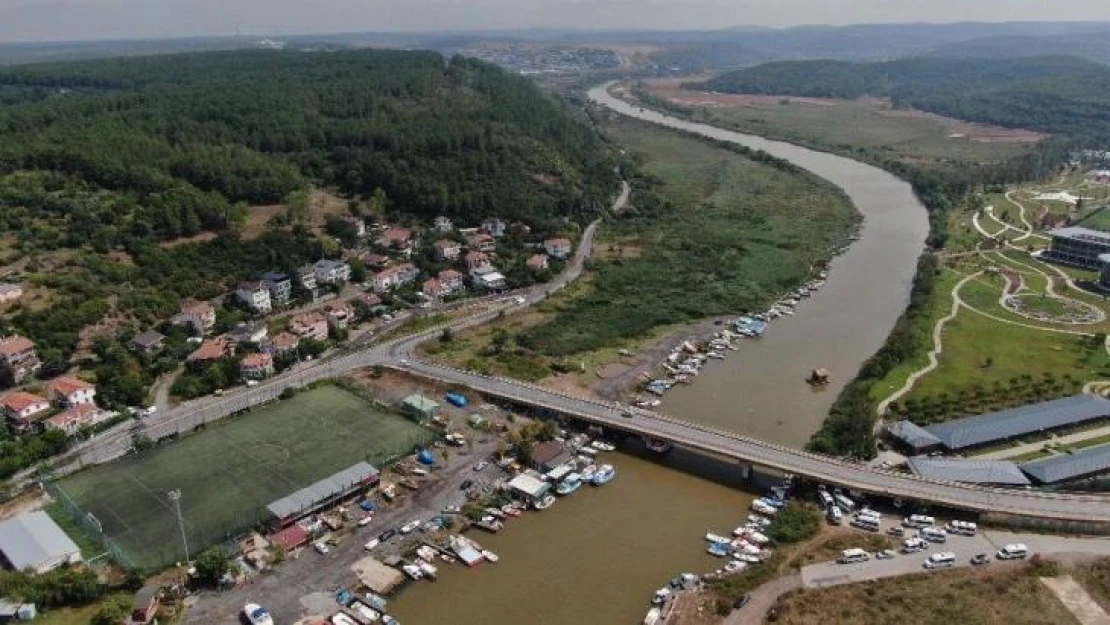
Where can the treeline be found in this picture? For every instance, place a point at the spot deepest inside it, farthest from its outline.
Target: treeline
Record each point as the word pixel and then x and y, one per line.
pixel 167 146
pixel 1056 94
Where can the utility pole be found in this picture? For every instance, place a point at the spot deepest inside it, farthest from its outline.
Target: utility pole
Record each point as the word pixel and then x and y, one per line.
pixel 175 497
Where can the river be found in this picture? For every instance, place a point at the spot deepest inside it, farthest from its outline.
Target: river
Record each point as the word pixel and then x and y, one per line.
pixel 597 556
pixel 760 391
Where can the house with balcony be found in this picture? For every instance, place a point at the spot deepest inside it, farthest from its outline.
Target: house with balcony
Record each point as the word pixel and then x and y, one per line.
pixel 213 349
pixel 309 325
pixel 484 242
pixel 474 260
pixel 256 295
pixel 23 409
pixel 71 391
pixel 73 420
pixel 487 277
pixel 451 279
pixel 446 249
pixel 401 239
pixel 280 286
pixel 391 278
pixel 306 277
pixel 256 366
pixel 198 317
pixel 250 332
pixel 284 343
pixel 557 247
pixel 443 224
pixel 340 315
pixel 332 271
pixel 18 359
pixel 494 227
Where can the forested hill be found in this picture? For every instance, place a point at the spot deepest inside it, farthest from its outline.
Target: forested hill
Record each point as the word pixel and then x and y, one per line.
pixel 169 144
pixel 1056 94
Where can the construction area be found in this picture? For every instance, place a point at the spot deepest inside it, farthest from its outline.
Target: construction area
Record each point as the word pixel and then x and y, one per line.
pixel 228 474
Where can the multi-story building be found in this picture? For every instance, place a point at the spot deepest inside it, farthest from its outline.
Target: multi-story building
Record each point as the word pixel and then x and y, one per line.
pixel 340 315
pixel 24 409
pixel 306 277
pixel 443 224
pixel 256 295
pixel 256 366
pixel 446 249
pixel 199 316
pixel 310 325
pixel 394 277
pixel 72 420
pixel 280 286
pixel 1079 247
pixel 1104 271
pixel 557 247
pixel 71 391
pixel 18 358
pixel 494 226
pixel 331 271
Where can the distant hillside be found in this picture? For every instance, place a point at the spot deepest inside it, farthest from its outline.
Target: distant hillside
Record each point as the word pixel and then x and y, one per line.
pixel 1062 95
pixel 1093 47
pixel 714 55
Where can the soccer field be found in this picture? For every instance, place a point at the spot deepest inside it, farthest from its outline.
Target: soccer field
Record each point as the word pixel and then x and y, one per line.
pixel 229 473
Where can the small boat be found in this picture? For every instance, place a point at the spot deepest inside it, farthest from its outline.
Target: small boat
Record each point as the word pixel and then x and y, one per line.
pixel 413 571
pixel 588 473
pixel 660 597
pixel 761 521
pixel 418 471
pixel 427 568
pixel 749 558
pixel 735 566
pixel 446 558
pixel 544 503
pixel 715 538
pixel 570 484
pixel 818 377
pixel 764 508
pixel 605 445
pixel 377 602
pixel 490 524
pixel 654 616
pixel 495 512
pixel 605 474
pixel 424 552
pixel 719 549
pixel 510 510
pixel 465 550
pixel 489 555
pixel 257 615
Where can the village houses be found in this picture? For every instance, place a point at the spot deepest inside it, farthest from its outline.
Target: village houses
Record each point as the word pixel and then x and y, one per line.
pixel 256 366
pixel 149 342
pixel 401 239
pixel 494 226
pixel 18 358
pixel 249 332
pixel 451 279
pixel 332 271
pixel 309 325
pixel 199 316
pixel 284 343
pixel 256 295
pixel 306 277
pixel 558 247
pixel 213 349
pixel 72 420
pixel 484 242
pixel 280 286
pixel 394 277
pixel 340 315
pixel 24 409
pixel 474 260
pixel 374 260
pixel 70 391
pixel 446 249
pixel 443 224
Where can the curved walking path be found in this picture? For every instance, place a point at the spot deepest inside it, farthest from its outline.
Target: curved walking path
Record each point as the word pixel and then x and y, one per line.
pixel 1021 215
pixel 938 347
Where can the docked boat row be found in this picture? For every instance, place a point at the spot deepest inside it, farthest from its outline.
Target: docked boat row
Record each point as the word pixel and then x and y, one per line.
pixel 748 543
pixel 686 360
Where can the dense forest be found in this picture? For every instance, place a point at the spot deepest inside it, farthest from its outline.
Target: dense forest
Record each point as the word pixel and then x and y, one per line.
pixel 1056 94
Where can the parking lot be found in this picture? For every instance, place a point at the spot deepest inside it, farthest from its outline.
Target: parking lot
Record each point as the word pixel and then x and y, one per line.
pixel 965 547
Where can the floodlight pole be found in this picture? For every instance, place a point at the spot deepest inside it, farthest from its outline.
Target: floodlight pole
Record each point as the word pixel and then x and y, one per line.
pixel 175 497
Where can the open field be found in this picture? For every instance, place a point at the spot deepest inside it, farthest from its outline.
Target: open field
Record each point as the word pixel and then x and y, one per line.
pixel 228 474
pixel 866 123
pixel 967 596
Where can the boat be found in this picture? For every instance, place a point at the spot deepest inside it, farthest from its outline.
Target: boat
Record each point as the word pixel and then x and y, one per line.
pixel 413 571
pixel 654 616
pixel 587 474
pixel 544 503
pixel 735 566
pixel 749 558
pixel 510 510
pixel 605 474
pixel 660 597
pixel 764 508
pixel 424 552
pixel 377 602
pixel 257 615
pixel 761 521
pixel 368 614
pixel 818 377
pixel 446 558
pixel 465 550
pixel 489 555
pixel 495 512
pixel 605 445
pixel 418 471
pixel 427 568
pixel 570 484
pixel 719 549
pixel 490 524
pixel 715 538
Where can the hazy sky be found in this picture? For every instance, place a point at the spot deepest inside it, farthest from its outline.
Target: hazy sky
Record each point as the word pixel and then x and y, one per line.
pixel 40 20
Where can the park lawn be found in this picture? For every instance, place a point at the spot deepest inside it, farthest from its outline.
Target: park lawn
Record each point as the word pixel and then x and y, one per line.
pixel 968 596
pixel 74 616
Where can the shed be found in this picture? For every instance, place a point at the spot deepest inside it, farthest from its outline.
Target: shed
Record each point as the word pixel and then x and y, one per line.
pixel 548 455
pixel 1069 466
pixel 1009 424
pixel 290 538
pixel 35 541
pixel 913 437
pixel 379 578
pixel 529 486
pixel 15 611
pixel 323 492
pixel 420 407
pixel 998 472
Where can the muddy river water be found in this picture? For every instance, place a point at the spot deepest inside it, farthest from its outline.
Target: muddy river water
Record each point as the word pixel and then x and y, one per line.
pixel 597 556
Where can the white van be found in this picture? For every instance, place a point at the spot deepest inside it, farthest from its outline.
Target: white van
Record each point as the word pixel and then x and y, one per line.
pixel 865 511
pixel 834 515
pixel 844 502
pixel 934 534
pixel 918 520
pixel 913 545
pixel 849 556
pixel 963 528
pixel 826 498
pixel 870 524
pixel 1014 551
pixel 940 560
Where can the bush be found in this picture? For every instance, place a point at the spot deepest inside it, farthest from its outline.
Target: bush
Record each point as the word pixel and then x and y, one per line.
pixel 795 522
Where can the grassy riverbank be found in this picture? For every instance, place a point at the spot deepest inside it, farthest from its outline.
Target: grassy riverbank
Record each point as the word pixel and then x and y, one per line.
pixel 711 230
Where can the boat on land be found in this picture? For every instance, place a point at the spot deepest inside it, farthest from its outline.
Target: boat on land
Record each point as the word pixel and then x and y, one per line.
pixel 544 503
pixel 413 571
pixel 257 615
pixel 604 475
pixel 489 555
pixel 654 617
pixel 569 484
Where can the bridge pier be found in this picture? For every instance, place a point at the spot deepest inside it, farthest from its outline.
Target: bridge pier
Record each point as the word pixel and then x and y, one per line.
pixel 745 470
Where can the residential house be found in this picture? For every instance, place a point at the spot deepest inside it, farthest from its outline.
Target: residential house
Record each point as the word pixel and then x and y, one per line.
pixel 310 325
pixel 10 292
pixel 446 249
pixel 213 349
pixel 18 358
pixel 538 262
pixel 394 277
pixel 284 343
pixel 377 261
pixel 359 225
pixel 558 247
pixel 256 295
pixel 145 605
pixel 451 278
pixel 24 409
pixel 340 315
pixel 434 289
pixel 70 391
pixel 520 229
pixel 72 420
pixel 484 242
pixel 443 224
pixel 474 260
pixel 250 332
pixel 280 285
pixel 487 277
pixel 494 227
pixel 149 342
pixel 401 239
pixel 367 300
pixel 200 316
pixel 306 277
pixel 256 366
pixel 332 271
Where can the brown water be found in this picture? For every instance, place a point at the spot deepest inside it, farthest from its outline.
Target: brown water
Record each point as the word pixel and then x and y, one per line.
pixel 595 557
pixel 760 390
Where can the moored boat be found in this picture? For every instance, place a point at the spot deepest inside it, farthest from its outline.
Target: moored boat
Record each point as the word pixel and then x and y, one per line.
pixel 427 568
pixel 413 571
pixel 587 474
pixel 605 474
pixel 569 484
pixel 489 555
pixel 715 538
pixel 654 616
pixel 544 503
pixel 719 549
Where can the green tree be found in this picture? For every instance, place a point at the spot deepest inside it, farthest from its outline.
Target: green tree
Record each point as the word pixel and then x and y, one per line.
pixel 112 612
pixel 211 565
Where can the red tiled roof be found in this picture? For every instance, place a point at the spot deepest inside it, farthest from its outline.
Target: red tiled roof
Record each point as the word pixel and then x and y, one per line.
pixel 257 361
pixel 398 234
pixel 75 416
pixel 446 243
pixel 285 340
pixel 449 274
pixel 212 349
pixel 290 538
pixel 557 241
pixel 538 261
pixel 68 385
pixel 14 345
pixel 20 401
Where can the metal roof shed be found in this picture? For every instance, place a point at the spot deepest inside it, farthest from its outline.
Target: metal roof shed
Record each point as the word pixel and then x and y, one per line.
pixel 529 486
pixel 998 426
pixel 420 407
pixel 308 498
pixel 913 436
pixel 1002 472
pixel 34 541
pixel 1067 467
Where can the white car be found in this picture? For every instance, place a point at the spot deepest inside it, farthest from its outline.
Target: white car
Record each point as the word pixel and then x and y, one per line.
pixel 365 520
pixel 371 545
pixel 151 410
pixel 252 382
pixel 321 548
pixel 409 527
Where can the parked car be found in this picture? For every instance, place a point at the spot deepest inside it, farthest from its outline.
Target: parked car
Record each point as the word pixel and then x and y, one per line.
pixel 980 559
pixel 365 520
pixel 409 527
pixel 386 535
pixel 896 531
pixel 320 548
pixel 885 554
pixel 467 483
pixel 741 602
